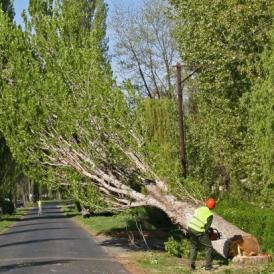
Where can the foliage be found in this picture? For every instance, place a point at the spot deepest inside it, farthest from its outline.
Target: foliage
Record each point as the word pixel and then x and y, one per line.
pixel 7 206
pixel 260 159
pixel 226 39
pixel 177 248
pixel 64 119
pixel 10 172
pixel 150 218
pixel 256 220
pixel 156 122
pixel 87 196
pixel 225 42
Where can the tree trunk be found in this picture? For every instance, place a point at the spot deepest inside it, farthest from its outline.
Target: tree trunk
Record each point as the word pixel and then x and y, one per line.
pixel 180 212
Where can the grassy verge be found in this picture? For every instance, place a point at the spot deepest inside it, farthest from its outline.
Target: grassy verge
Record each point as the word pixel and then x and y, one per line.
pixel 7 221
pixel 157 261
pixel 105 225
pixel 161 262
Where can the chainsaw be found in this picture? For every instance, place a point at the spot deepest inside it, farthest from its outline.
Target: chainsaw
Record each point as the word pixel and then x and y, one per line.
pixel 214 234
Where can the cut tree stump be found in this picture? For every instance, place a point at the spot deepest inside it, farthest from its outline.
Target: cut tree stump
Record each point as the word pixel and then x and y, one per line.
pixel 260 259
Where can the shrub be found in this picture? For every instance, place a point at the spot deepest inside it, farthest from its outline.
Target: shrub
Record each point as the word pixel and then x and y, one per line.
pixel 252 219
pixel 78 206
pixel 151 218
pixel 7 207
pixel 177 248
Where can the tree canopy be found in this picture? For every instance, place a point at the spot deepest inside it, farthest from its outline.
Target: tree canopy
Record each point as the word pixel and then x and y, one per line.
pixel 225 42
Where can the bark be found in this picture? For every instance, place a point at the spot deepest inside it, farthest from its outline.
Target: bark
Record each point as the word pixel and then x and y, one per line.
pixel 111 185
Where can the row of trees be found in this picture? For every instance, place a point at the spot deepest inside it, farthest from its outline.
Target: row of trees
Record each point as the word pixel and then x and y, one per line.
pixel 12 179
pixel 16 188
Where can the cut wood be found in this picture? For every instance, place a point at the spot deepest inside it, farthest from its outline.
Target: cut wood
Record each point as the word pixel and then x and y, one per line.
pixel 260 259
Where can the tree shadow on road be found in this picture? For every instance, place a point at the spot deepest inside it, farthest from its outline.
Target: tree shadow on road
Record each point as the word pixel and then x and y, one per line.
pixel 37 229
pixel 34 224
pixel 38 241
pixel 22 265
pixel 35 212
pixel 137 245
pixel 10 219
pixel 48 216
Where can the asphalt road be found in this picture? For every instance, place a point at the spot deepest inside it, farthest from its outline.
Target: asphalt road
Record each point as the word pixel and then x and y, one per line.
pixel 52 243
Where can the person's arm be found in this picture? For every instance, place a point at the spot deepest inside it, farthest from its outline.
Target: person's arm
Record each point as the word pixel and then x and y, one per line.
pixel 208 224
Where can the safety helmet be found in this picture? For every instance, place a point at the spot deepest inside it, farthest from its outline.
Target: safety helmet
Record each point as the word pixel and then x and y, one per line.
pixel 210 203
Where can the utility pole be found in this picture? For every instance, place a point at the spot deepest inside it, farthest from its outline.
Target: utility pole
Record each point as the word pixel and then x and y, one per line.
pixel 182 143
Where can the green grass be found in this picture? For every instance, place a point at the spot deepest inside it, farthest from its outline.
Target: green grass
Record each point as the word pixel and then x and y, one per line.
pixel 69 210
pixel 161 262
pixel 7 221
pixel 105 225
pixel 101 224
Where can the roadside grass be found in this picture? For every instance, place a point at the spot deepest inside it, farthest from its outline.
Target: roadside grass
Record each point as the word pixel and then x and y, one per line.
pixel 106 225
pixel 158 261
pixel 100 224
pixel 7 221
pixel 161 262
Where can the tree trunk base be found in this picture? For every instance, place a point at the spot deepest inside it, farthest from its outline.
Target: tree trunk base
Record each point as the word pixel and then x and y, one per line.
pixel 260 259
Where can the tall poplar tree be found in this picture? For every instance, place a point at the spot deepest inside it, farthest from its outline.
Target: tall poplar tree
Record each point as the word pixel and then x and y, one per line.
pixel 10 170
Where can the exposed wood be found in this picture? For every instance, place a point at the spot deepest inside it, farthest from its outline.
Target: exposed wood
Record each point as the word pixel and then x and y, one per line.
pixel 249 260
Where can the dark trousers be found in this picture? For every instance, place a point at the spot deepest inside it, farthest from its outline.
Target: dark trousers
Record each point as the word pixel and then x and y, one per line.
pixel 198 239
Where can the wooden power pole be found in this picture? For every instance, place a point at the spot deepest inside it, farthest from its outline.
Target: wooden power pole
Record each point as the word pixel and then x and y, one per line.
pixel 182 144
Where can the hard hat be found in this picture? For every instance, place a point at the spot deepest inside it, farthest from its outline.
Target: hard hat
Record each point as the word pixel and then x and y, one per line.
pixel 210 203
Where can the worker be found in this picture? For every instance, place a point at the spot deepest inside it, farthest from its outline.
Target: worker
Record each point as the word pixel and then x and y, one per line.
pixel 198 229
pixel 39 203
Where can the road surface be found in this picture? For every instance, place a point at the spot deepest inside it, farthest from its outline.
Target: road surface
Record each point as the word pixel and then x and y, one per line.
pixel 52 243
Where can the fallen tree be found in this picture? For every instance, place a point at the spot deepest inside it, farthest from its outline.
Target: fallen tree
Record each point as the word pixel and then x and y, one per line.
pixel 110 181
